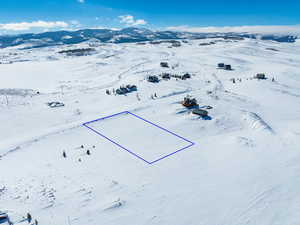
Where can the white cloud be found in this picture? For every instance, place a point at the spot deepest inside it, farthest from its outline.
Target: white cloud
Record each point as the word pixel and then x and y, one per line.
pixel 29 25
pixel 75 23
pixel 81 1
pixel 129 20
pixel 288 29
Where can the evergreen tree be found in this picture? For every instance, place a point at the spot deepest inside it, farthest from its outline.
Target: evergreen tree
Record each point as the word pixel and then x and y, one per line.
pixel 29 217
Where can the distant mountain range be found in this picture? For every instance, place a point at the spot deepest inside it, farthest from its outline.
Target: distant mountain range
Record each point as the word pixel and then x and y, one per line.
pixel 127 35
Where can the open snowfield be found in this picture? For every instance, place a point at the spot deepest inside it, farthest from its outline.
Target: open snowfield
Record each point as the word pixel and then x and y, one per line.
pixel 243 169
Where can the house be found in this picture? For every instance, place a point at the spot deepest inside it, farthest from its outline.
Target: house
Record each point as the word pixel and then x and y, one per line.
pixel 4 219
pixel 166 76
pixel 131 88
pixel 123 90
pixel 189 102
pixel 260 76
pixel 164 64
pixel 153 79
pixel 176 44
pixel 227 67
pixel 55 104
pixel 186 76
pixel 221 65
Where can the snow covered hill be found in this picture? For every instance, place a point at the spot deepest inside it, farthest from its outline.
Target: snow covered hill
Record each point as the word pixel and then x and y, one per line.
pixel 243 168
pixel 128 35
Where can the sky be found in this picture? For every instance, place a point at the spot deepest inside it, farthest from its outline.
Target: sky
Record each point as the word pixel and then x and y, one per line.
pixel 22 16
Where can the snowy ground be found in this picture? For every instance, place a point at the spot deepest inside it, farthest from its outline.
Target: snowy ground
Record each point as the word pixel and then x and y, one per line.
pixel 243 169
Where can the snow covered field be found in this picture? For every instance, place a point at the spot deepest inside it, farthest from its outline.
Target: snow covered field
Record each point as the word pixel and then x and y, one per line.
pixel 151 145
pixel 243 169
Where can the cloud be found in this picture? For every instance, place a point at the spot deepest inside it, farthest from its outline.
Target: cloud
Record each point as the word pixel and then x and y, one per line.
pixel 287 29
pixel 81 1
pixel 75 23
pixel 23 26
pixel 129 20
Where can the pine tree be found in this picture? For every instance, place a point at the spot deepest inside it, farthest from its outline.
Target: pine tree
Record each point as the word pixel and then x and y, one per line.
pixel 29 217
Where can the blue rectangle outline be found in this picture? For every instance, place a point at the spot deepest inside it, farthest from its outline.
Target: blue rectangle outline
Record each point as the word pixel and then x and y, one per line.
pixel 147 121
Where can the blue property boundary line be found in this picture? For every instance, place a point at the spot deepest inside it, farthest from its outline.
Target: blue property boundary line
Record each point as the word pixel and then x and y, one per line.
pixel 136 155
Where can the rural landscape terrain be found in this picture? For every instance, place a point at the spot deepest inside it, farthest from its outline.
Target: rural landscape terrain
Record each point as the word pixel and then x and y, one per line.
pixel 234 96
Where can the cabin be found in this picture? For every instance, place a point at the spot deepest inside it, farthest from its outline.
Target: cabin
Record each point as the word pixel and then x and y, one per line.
pixel 221 65
pixel 123 90
pixel 4 219
pixel 200 112
pixel 189 102
pixel 186 76
pixel 55 104
pixel 176 44
pixel 260 76
pixel 227 67
pixel 131 88
pixel 166 76
pixel 164 64
pixel 153 79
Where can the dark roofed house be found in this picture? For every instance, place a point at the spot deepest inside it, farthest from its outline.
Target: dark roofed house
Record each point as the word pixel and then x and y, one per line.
pixel 228 67
pixel 153 79
pixel 186 76
pixel 221 65
pixel 164 64
pixel 260 76
pixel 189 102
pixel 166 76
pixel 4 219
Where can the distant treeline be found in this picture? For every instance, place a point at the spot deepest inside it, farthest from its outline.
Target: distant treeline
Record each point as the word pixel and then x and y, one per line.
pixel 80 51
